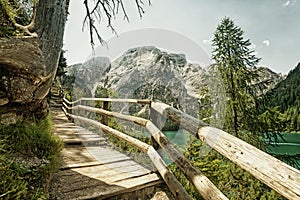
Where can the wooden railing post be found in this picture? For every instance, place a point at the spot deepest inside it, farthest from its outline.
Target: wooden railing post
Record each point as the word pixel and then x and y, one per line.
pixel 157 120
pixel 104 118
pixel 269 170
pixel 202 183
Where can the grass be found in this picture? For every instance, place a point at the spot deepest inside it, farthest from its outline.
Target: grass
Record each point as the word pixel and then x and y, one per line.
pixel 29 154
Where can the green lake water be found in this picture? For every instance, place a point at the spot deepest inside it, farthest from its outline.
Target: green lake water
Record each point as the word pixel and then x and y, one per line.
pixel 288 145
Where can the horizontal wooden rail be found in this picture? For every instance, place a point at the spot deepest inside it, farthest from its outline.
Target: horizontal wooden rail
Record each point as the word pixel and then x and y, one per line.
pixel 139 101
pixel 271 171
pixel 175 187
pixel 205 187
pixel 129 118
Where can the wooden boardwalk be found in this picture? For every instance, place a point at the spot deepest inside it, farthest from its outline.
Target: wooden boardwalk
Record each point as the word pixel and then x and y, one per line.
pixel 91 169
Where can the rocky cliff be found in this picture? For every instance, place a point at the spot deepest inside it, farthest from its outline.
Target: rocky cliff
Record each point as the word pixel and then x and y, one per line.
pixel 150 73
pixel 88 74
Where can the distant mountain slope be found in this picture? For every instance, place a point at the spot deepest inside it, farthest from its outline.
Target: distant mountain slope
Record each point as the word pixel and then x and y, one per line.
pixel 282 103
pixel 286 93
pixel 87 75
pixel 268 78
pixel 150 73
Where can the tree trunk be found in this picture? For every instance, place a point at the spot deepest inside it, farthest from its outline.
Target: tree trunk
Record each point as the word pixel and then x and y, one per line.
pixel 28 65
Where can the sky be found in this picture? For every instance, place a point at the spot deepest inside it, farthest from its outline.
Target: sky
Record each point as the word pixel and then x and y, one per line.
pixel 187 26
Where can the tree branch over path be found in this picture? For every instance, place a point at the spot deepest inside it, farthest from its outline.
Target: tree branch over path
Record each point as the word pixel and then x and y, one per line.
pixel 106 10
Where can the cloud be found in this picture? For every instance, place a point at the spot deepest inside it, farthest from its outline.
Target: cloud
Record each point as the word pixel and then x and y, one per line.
pixel 266 42
pixel 286 3
pixel 289 3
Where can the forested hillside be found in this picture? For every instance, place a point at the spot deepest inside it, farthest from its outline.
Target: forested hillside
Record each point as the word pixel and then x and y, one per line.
pixel 284 101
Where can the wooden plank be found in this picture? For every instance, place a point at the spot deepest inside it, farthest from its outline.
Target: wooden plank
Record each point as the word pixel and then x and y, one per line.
pixel 96 171
pixel 174 186
pixel 138 181
pixel 102 154
pixel 78 186
pixel 118 164
pixel 78 165
pixel 109 175
pixel 71 157
pixel 113 174
pixel 271 171
pixel 92 152
pixel 101 190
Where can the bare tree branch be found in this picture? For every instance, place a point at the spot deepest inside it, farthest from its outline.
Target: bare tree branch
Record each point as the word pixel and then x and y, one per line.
pixel 106 10
pixel 123 9
pixel 139 7
pixel 90 21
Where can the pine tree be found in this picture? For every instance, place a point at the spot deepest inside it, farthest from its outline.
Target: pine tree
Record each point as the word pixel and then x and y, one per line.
pixel 236 64
pixel 62 64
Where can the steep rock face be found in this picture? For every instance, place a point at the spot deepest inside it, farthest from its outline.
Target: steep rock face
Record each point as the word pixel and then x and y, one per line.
pixel 150 73
pixel 147 72
pixel 269 78
pixel 88 74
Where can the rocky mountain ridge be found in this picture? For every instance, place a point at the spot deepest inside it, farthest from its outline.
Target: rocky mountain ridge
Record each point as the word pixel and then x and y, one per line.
pixel 148 72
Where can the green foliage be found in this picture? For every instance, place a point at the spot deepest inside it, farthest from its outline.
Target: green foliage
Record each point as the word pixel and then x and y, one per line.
pixel 62 64
pixel 271 120
pixel 32 139
pixel 63 79
pixel 233 181
pixel 11 12
pixel 285 99
pixel 235 62
pixel 285 94
pixel 29 154
pixel 205 100
pixel 102 92
pixel 7 15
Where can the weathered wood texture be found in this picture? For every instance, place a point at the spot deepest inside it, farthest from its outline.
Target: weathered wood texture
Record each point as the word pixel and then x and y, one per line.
pixel 206 188
pixel 139 101
pixel 104 119
pixel 271 171
pixel 174 186
pixel 90 168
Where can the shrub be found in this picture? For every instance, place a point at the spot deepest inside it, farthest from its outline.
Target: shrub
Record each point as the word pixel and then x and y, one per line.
pixel 29 154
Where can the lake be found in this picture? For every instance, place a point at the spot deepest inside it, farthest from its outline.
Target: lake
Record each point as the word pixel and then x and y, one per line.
pixel 288 145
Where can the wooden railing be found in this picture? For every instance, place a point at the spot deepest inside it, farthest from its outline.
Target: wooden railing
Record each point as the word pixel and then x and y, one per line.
pixel 271 171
